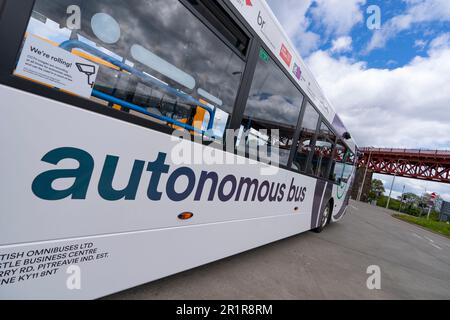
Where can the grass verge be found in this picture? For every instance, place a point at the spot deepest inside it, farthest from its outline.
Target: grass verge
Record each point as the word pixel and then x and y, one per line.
pixel 435 226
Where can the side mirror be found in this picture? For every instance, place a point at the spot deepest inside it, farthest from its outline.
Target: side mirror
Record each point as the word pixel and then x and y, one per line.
pixel 347 136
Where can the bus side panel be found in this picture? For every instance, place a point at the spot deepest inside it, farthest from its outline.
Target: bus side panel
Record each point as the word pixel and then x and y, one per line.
pixel 36 133
pixel 136 239
pixel 123 261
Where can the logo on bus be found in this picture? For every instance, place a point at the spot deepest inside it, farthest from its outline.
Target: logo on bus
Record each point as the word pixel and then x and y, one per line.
pixel 286 55
pixel 297 71
pixel 248 3
pixel 261 21
pixel 204 186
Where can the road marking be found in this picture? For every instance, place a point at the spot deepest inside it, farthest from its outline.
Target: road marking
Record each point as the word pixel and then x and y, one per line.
pixel 437 247
pixel 432 241
pixel 354 207
pixel 417 236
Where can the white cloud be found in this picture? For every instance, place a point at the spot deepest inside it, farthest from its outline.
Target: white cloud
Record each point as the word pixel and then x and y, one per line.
pixel 292 15
pixel 407 107
pixel 342 44
pixel 337 16
pixel 420 44
pixel 441 42
pixel 391 62
pixel 418 11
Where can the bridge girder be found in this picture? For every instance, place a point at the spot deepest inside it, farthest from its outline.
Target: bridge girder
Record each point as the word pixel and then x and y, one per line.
pixel 416 164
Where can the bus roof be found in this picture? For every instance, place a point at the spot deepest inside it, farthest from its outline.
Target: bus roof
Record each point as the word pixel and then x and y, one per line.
pixel 261 18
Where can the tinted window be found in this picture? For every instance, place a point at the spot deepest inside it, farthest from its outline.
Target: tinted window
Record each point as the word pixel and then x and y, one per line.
pixel 349 166
pixel 323 153
pixel 274 103
pixel 181 72
pixel 344 163
pixel 306 142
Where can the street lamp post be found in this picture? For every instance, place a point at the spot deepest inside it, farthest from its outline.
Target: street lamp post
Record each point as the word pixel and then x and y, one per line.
pixel 429 212
pixel 390 193
pixel 392 185
pixel 401 203
pixel 421 200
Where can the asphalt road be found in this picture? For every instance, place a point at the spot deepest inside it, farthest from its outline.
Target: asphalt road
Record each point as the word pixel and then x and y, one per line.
pixel 415 264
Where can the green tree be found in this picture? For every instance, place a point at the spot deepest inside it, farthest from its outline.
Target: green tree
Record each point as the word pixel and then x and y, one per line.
pixel 411 199
pixel 376 190
pixel 418 205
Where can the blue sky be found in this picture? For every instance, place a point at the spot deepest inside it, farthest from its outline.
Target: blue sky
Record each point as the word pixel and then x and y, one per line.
pixel 398 52
pixel 391 86
pixel 404 47
pixel 391 56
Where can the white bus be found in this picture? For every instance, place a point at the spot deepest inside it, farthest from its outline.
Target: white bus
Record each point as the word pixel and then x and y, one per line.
pixel 94 199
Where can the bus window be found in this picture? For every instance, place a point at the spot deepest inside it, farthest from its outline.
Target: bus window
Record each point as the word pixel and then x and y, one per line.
pixel 157 59
pixel 272 112
pixel 338 162
pixel 344 163
pixel 323 152
pixel 349 166
pixel 306 142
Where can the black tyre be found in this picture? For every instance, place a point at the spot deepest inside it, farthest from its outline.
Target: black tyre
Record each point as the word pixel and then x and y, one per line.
pixel 326 218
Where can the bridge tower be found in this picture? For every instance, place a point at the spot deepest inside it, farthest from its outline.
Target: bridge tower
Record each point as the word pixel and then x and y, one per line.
pixel 359 181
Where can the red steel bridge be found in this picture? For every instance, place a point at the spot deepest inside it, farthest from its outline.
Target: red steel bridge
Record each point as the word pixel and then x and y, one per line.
pixel 416 164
